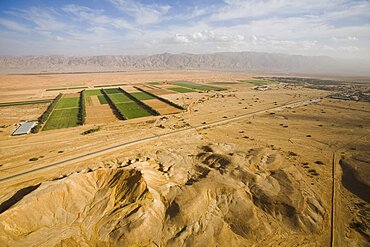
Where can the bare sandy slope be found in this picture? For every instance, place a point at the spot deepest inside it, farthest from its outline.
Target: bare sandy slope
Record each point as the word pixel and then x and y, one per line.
pixel 262 180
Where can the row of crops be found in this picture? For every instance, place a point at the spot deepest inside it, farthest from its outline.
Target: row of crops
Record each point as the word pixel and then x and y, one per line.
pixel 70 110
pixel 127 104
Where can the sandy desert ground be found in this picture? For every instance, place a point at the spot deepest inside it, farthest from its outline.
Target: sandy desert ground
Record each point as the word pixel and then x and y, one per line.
pixel 282 167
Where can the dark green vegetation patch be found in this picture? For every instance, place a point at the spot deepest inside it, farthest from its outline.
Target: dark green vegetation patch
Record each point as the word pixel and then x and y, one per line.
pixel 89 131
pixel 257 82
pixel 112 90
pixel 25 102
pixel 102 99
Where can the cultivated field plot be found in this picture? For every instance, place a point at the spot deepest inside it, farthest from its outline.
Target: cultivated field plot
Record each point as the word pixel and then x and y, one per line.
pixel 119 98
pixel 197 86
pixel 158 105
pixel 31 102
pixel 93 92
pixel 68 103
pixel 181 90
pixel 159 91
pixel 142 96
pixel 65 113
pixel 97 108
pixel 132 110
pixel 128 107
pixel 112 90
pixel 63 118
pixel 130 89
pixel 162 107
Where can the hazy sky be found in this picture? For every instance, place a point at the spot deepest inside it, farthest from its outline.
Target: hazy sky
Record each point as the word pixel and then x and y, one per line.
pixel 336 28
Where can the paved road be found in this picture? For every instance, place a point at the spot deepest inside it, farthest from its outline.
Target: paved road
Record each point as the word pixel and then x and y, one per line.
pixel 110 149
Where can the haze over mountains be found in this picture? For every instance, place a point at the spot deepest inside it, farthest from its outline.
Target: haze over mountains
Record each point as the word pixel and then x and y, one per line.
pixel 226 61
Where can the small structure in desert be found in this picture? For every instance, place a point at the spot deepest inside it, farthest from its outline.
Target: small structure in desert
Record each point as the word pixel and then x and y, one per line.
pixel 24 128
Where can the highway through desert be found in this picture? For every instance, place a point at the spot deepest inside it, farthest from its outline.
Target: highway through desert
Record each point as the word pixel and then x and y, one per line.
pixel 109 149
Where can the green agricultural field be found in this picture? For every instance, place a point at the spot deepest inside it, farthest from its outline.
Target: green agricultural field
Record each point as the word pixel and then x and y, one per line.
pixel 132 110
pixel 68 103
pixel 154 83
pixel 102 99
pixel 112 90
pixel 198 86
pixel 92 92
pixel 119 98
pixel 181 89
pixel 257 82
pixel 142 96
pixel 63 118
pixel 25 102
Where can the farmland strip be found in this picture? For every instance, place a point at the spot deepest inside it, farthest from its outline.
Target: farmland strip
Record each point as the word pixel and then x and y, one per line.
pixel 42 101
pixel 115 109
pixel 161 99
pixel 142 104
pixel 46 114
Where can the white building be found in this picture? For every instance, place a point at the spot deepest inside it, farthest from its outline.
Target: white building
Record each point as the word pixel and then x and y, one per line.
pixel 24 128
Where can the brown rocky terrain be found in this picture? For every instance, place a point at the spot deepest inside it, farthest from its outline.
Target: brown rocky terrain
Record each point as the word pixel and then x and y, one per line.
pixel 239 167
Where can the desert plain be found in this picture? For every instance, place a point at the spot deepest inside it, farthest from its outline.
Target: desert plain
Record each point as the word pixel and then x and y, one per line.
pixel 287 166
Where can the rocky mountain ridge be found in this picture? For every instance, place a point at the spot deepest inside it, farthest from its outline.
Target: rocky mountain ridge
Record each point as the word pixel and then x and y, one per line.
pixel 226 61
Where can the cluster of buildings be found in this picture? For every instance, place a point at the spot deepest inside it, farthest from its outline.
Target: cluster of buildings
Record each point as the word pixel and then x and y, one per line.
pixel 356 96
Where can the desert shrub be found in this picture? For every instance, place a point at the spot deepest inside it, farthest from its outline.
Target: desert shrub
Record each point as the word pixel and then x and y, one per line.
pixel 89 131
pixel 313 172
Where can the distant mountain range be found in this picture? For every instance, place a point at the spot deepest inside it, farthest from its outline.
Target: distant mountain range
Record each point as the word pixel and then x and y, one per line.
pixel 225 61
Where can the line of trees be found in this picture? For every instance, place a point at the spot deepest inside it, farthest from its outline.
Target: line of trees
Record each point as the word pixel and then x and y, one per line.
pixel 142 104
pixel 119 114
pixel 82 109
pixel 161 99
pixel 42 119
